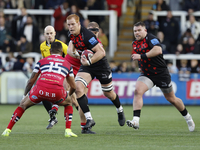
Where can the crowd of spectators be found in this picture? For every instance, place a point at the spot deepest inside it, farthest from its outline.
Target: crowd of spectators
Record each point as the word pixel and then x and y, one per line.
pixel 23 32
pixel 173 38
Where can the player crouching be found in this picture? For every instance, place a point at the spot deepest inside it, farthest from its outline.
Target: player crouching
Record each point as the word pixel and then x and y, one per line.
pixel 52 70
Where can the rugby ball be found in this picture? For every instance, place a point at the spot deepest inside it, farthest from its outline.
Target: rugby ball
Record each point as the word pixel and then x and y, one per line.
pixel 87 54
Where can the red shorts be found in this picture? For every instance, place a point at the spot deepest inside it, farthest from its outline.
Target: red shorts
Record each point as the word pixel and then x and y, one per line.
pixel 40 93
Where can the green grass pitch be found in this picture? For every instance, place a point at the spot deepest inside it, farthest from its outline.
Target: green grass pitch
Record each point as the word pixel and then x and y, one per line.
pixel 161 128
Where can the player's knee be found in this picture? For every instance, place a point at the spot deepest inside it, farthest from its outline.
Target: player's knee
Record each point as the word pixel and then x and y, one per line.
pixel 137 92
pixel 110 94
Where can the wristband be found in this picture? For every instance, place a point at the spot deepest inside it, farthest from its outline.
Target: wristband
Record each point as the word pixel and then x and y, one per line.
pixel 143 56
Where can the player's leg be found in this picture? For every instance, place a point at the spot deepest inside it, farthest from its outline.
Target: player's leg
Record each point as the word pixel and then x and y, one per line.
pixel 178 103
pixel 142 85
pixel 24 104
pixel 68 113
pixel 109 93
pixel 82 79
pixel 53 109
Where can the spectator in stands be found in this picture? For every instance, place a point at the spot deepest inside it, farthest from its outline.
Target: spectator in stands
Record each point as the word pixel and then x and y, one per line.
pixel 152 26
pixel 40 4
pixel 194 64
pixel 175 5
pixel 3 35
pixel 64 32
pixel 193 25
pixel 18 23
pixel 32 33
pixel 8 4
pixel 113 66
pixel 29 65
pixel 191 6
pixel 165 44
pixel 192 47
pixel 8 65
pixel 2 4
pixel 184 70
pixel 169 26
pixel 117 6
pixel 134 66
pixel 86 23
pixel 172 68
pixel 160 5
pixel 53 4
pixel 75 10
pixel 180 49
pixel 122 67
pixel 186 35
pixel 18 4
pixel 24 46
pixel 18 65
pixel 95 5
pixel 103 38
pixel 60 15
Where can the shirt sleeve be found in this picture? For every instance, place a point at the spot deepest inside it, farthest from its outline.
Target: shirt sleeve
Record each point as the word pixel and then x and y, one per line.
pixel 37 68
pixel 90 39
pixel 153 41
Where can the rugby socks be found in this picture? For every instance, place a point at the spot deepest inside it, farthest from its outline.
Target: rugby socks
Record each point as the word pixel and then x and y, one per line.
pixel 55 107
pixel 184 112
pixel 83 124
pixel 83 103
pixel 68 112
pixel 47 105
pixel 116 102
pixel 136 113
pixel 15 117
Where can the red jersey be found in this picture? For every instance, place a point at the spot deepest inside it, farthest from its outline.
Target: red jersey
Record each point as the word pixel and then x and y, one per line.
pixel 75 63
pixel 54 70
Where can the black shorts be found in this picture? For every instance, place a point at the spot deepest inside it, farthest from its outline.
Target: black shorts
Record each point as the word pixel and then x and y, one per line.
pixel 162 81
pixel 101 71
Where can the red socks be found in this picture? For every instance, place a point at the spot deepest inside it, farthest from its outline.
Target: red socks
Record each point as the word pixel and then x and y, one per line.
pixel 55 107
pixel 68 112
pixel 15 117
pixel 82 125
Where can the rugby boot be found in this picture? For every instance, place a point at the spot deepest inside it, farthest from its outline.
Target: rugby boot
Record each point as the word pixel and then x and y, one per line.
pixel 6 132
pixel 89 124
pixel 132 123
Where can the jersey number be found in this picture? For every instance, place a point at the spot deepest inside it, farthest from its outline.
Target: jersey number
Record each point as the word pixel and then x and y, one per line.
pixel 54 67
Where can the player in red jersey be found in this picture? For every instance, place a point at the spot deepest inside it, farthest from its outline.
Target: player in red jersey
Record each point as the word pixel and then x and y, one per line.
pixel 52 71
pixel 148 51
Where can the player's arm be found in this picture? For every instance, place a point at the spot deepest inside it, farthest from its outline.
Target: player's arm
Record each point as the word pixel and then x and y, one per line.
pixel 71 82
pixel 30 82
pixel 99 53
pixel 155 51
pixel 72 51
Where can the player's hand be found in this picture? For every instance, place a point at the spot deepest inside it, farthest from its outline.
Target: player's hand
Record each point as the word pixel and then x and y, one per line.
pixel 84 61
pixel 76 54
pixel 136 56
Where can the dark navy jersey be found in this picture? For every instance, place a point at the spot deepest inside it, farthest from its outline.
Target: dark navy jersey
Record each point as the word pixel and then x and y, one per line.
pixel 85 40
pixel 150 66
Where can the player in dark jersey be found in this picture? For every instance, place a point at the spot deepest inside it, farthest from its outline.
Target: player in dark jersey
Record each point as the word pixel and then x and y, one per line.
pixel 148 51
pixel 51 71
pixel 98 67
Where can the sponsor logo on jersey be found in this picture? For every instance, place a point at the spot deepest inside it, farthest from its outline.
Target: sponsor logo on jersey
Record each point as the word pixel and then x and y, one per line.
pixel 34 97
pixel 93 41
pixel 154 41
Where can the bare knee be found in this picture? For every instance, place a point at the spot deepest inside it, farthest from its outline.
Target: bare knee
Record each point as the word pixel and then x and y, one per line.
pixel 111 95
